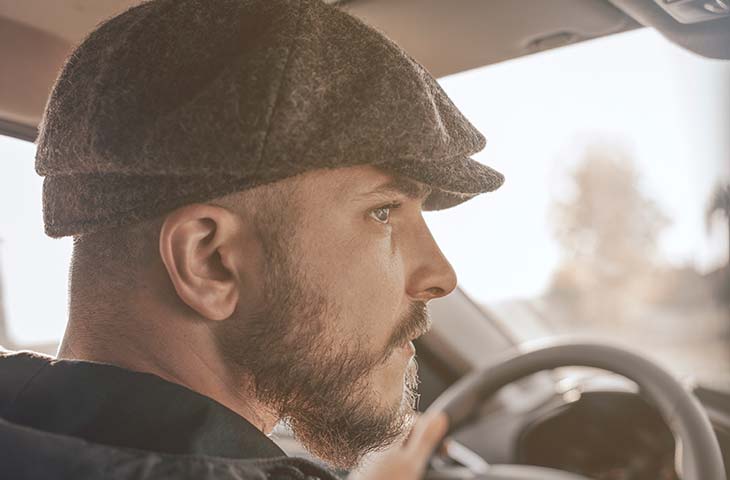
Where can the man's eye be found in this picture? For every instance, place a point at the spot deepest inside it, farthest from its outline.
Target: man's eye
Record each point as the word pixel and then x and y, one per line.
pixel 382 214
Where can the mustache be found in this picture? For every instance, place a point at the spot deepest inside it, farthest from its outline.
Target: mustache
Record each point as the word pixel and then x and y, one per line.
pixel 415 322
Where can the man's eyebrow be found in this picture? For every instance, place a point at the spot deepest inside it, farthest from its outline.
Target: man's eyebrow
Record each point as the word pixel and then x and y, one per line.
pixel 404 186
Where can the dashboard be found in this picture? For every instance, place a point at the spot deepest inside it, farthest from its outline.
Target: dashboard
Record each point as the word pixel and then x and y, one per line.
pixel 604 436
pixel 601 433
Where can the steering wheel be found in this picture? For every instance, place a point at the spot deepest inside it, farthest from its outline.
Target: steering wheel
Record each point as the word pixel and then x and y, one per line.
pixel 698 450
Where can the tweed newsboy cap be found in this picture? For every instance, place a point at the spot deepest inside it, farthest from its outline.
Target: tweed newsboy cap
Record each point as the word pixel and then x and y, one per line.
pixel 181 101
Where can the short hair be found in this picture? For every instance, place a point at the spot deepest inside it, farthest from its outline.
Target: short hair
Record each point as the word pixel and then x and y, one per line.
pixel 116 255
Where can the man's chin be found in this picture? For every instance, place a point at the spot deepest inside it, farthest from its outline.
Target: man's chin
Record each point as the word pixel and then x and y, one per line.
pixel 367 425
pixel 342 441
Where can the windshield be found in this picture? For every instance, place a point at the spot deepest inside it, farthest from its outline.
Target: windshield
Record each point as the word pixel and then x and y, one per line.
pixel 612 222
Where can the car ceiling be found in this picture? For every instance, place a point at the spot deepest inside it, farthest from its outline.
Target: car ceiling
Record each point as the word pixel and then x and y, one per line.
pixel 445 36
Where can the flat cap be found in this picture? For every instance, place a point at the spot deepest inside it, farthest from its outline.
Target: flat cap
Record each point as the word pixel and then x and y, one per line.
pixel 181 101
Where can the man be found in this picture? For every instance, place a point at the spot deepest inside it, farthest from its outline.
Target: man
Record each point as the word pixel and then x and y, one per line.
pixel 244 181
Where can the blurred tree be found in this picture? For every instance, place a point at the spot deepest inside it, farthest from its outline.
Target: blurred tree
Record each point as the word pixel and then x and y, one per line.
pixel 720 202
pixel 609 228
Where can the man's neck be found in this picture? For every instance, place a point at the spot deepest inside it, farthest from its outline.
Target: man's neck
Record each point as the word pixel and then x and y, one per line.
pixel 185 356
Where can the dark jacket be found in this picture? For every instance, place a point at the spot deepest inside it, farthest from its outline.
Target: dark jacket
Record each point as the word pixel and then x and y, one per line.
pixel 82 420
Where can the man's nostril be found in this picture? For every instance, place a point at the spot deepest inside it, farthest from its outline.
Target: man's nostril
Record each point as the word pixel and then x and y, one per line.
pixel 436 291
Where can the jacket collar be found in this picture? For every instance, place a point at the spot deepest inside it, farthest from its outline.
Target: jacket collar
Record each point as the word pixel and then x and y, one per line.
pixel 119 407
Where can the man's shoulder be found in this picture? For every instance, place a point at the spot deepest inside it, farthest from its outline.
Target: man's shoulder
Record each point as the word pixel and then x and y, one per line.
pixel 27 359
pixel 6 353
pixel 17 368
pixel 40 419
pixel 27 453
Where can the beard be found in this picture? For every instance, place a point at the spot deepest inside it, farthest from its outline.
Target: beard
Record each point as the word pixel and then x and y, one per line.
pixel 311 378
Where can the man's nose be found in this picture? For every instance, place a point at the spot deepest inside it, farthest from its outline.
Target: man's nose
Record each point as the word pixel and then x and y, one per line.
pixel 432 275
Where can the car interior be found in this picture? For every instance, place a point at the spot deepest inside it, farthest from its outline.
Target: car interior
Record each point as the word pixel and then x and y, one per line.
pixel 540 389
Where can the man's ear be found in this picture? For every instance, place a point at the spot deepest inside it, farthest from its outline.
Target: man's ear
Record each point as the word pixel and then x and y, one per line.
pixel 200 246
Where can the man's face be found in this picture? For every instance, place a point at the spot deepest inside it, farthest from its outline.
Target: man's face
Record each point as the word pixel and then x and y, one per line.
pixel 347 274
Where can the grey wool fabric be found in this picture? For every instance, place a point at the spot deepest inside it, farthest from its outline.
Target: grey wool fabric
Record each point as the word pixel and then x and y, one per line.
pixel 181 101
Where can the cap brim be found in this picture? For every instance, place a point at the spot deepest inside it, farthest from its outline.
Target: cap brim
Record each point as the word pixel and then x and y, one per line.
pixel 453 181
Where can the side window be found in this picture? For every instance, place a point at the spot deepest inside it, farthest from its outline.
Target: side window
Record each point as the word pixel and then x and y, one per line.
pixel 33 267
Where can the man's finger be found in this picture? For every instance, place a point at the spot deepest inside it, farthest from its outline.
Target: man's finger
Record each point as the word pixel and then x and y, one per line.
pixel 426 434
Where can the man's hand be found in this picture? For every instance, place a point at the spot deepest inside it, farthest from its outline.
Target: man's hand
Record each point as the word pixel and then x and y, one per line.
pixel 407 461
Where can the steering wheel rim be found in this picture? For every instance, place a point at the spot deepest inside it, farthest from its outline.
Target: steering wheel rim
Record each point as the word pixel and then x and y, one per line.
pixel 701 458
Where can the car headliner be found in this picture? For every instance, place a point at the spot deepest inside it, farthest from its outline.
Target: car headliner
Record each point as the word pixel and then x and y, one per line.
pixel 446 37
